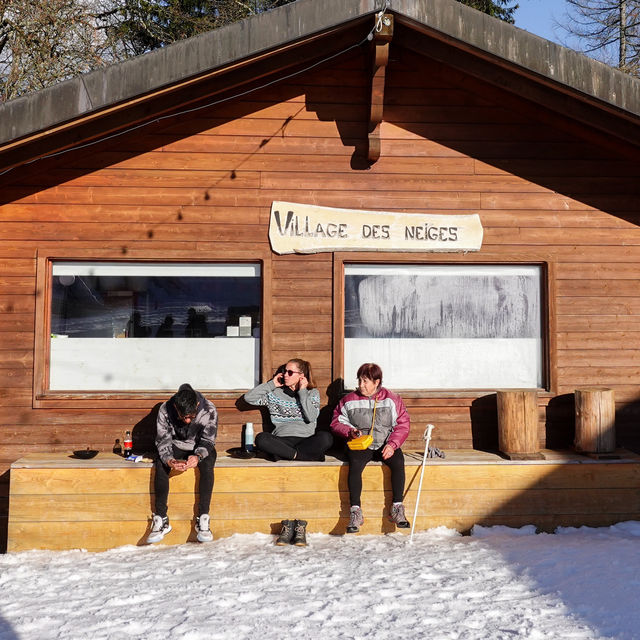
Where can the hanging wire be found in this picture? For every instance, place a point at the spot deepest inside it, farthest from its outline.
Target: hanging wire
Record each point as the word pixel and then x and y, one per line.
pixel 241 94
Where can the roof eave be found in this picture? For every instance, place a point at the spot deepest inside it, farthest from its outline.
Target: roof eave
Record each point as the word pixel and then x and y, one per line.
pixel 136 79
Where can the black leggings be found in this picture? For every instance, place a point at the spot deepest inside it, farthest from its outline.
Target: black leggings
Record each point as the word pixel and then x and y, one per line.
pixel 205 484
pixel 358 461
pixel 291 447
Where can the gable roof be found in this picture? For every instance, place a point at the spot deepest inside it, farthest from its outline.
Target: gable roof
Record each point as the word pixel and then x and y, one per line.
pixel 137 90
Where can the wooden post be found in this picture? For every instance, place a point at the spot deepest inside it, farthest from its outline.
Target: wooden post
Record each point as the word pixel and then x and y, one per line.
pixel 595 420
pixel 518 424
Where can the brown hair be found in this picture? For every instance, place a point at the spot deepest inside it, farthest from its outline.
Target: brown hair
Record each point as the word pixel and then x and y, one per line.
pixel 305 368
pixel 370 370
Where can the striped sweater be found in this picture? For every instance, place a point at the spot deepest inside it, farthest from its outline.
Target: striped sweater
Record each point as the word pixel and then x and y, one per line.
pixel 292 413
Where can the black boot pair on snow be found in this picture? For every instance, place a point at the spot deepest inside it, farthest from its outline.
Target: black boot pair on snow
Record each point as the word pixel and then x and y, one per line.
pixel 293 532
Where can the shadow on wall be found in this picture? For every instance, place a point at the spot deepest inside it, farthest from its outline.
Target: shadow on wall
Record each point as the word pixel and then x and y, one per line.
pixel 6 630
pixel 560 422
pixel 484 423
pixel 144 432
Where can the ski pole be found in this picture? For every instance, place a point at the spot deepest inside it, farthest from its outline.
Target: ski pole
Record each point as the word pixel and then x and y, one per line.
pixel 427 438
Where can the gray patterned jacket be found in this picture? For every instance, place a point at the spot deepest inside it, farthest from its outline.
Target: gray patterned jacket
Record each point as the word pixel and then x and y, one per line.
pixel 199 436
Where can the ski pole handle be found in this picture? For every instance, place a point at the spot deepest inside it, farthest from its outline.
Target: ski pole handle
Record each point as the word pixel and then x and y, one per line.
pixel 427 432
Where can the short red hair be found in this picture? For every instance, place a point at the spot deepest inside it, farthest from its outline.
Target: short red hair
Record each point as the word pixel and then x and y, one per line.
pixel 371 371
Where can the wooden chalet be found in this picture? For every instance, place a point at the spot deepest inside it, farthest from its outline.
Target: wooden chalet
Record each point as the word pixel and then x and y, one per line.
pixel 423 186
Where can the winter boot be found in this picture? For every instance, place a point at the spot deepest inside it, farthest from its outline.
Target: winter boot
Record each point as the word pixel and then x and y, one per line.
pixel 159 528
pixel 300 533
pixel 356 519
pixel 286 533
pixel 397 515
pixel 202 527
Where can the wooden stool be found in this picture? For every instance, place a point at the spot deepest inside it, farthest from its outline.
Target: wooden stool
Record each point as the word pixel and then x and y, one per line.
pixel 518 424
pixel 595 421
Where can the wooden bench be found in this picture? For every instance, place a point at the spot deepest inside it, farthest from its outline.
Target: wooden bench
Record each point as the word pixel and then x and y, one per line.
pixel 58 502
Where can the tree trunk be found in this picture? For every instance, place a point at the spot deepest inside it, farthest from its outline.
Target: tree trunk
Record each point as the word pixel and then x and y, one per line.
pixel 622 58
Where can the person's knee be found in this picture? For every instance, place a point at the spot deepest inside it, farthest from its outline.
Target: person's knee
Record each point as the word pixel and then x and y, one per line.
pixel 325 439
pixel 208 462
pixel 260 437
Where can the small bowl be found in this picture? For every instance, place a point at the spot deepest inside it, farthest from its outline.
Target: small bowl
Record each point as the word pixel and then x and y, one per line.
pixel 85 454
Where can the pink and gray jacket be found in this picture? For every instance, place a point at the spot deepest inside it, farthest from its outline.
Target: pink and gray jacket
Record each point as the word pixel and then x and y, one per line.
pixel 392 419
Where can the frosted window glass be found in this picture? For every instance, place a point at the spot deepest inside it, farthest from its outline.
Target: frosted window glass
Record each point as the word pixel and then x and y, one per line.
pixel 445 326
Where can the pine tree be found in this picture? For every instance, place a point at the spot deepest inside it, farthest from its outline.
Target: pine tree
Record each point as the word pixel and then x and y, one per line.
pixel 496 8
pixel 138 26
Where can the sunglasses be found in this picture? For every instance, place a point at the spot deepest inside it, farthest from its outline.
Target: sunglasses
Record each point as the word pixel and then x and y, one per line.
pixel 289 372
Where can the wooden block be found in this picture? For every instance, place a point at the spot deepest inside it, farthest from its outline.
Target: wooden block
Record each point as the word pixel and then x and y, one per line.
pixel 595 420
pixel 518 421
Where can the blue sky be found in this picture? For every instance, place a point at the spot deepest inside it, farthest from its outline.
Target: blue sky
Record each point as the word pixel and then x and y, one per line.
pixel 537 16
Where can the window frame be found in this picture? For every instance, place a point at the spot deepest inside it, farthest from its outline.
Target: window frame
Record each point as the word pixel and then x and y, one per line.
pixel 547 302
pixel 43 397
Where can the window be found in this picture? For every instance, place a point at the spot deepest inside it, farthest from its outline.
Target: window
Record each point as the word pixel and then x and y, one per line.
pixel 146 326
pixel 445 326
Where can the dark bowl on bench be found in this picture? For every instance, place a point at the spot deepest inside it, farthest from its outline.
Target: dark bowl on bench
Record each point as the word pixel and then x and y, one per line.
pixel 85 454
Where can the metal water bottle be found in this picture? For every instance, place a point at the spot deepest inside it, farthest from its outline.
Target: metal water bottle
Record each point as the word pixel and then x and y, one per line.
pixel 248 436
pixel 127 444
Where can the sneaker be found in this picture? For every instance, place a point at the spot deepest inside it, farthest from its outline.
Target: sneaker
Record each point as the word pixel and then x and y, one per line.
pixel 356 519
pixel 300 533
pixel 286 533
pixel 202 527
pixel 159 528
pixel 397 515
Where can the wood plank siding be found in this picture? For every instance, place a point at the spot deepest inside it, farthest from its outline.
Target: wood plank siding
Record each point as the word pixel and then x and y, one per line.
pixel 199 186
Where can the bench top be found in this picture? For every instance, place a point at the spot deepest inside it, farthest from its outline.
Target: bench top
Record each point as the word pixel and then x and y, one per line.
pixel 108 460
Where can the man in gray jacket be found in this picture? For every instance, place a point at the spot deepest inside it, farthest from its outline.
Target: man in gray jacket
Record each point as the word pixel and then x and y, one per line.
pixel 186 433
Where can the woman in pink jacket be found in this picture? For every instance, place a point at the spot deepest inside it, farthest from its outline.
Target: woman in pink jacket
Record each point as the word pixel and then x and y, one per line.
pixel 374 410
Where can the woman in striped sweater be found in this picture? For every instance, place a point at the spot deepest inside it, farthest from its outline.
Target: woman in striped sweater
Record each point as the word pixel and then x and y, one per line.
pixel 293 403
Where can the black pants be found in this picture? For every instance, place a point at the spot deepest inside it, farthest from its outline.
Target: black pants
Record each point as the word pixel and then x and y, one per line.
pixel 289 447
pixel 205 484
pixel 358 461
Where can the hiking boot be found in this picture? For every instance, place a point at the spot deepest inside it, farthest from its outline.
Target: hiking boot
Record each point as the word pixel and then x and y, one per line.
pixel 286 533
pixel 397 515
pixel 300 533
pixel 159 528
pixel 356 519
pixel 202 527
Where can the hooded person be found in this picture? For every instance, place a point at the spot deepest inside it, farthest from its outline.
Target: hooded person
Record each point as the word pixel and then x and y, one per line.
pixel 186 431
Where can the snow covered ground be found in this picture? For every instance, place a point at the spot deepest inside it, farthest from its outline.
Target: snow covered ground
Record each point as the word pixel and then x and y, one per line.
pixel 498 583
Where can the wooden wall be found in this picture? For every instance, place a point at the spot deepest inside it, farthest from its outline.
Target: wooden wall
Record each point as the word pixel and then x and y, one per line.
pixel 201 185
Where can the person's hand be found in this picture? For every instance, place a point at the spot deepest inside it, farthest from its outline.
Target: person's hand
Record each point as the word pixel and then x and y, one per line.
pixel 303 383
pixel 354 433
pixel 192 462
pixel 178 465
pixel 278 380
pixel 387 451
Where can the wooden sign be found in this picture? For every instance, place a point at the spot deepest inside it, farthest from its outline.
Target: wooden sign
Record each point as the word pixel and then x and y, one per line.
pixel 304 228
